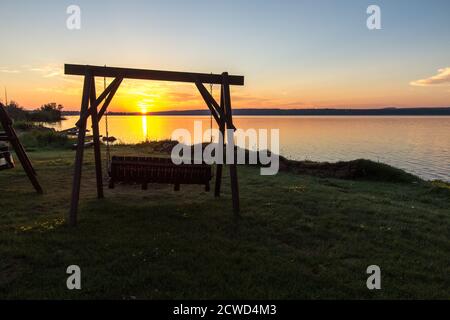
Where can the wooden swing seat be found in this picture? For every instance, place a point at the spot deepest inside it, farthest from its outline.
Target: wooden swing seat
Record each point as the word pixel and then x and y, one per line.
pixel 144 170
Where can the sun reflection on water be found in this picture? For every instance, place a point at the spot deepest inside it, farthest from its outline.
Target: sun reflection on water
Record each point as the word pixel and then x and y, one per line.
pixel 144 128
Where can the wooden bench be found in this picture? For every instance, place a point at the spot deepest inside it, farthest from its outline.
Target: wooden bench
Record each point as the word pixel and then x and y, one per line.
pixel 144 170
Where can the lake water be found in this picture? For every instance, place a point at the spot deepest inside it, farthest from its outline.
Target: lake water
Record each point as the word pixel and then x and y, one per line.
pixel 420 145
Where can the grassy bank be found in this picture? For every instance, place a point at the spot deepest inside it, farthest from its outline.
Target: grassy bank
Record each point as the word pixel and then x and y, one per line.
pixel 35 137
pixel 300 236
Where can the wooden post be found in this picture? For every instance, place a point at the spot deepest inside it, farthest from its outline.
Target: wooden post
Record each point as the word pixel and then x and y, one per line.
pixel 219 166
pixel 79 153
pixel 26 164
pixel 19 149
pixel 96 138
pixel 229 123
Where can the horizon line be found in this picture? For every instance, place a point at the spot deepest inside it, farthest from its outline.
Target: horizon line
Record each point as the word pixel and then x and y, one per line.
pixel 296 111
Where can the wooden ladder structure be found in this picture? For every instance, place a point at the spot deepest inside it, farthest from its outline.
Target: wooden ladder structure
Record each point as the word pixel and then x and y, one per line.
pixel 9 135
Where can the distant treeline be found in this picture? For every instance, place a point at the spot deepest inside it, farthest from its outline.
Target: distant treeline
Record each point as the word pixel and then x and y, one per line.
pixel 304 112
pixel 345 112
pixel 50 112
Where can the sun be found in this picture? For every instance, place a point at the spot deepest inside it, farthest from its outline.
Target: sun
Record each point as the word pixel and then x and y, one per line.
pixel 143 106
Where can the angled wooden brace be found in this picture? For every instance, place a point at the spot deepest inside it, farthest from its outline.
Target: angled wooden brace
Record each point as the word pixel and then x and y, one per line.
pixel 108 94
pixel 11 137
pixel 105 106
pixel 216 110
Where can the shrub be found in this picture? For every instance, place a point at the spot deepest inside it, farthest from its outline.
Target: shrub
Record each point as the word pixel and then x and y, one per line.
pixel 47 138
pixel 26 125
pixel 50 112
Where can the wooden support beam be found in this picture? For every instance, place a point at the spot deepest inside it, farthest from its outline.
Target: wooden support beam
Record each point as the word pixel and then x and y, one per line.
pixel 109 98
pixel 26 164
pixel 112 87
pixel 201 88
pixel 219 166
pixel 219 169
pixel 96 139
pixel 19 149
pixel 11 137
pixel 229 122
pixel 127 73
pixel 216 110
pixel 79 154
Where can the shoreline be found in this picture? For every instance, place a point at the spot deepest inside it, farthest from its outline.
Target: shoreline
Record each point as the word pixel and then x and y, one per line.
pixel 444 111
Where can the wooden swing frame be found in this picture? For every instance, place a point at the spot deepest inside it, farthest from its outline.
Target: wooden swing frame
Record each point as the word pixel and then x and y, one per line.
pixel 9 135
pixel 90 103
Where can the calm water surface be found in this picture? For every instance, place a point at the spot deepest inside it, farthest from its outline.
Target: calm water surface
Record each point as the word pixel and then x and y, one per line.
pixel 420 145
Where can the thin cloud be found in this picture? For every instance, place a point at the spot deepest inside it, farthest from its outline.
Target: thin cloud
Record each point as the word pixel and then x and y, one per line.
pixel 9 71
pixel 48 71
pixel 442 78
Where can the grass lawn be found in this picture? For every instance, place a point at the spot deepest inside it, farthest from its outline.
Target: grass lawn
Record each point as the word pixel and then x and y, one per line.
pixel 299 237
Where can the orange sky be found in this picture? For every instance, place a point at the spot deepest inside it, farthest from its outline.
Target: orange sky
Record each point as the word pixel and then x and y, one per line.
pixel 34 86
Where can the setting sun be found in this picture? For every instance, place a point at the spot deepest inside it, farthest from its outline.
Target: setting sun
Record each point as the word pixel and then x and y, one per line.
pixel 143 107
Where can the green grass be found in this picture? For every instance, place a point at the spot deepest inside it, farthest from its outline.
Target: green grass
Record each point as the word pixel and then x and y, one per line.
pixel 299 237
